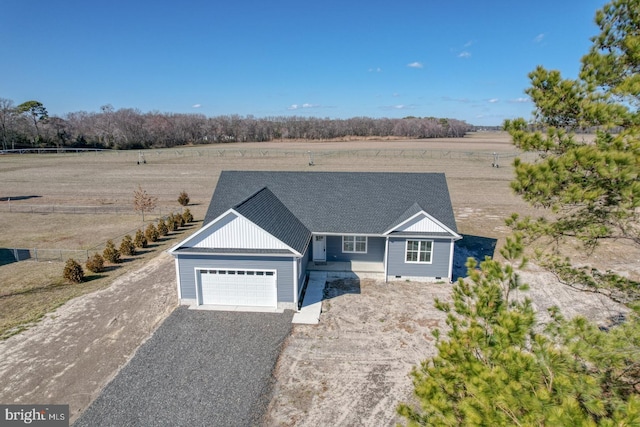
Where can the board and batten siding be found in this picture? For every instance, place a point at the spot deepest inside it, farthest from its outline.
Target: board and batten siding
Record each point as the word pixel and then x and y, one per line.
pixel 439 267
pixel 232 231
pixel 189 263
pixel 421 224
pixel 375 250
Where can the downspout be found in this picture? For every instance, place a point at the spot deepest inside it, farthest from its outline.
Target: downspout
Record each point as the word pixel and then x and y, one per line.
pixel 386 258
pixel 295 282
pixel 178 277
pixel 451 261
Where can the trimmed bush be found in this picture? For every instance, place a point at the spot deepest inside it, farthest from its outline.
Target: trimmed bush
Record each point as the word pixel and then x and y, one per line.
pixel 152 233
pixel 162 227
pixel 95 264
pixel 140 240
pixel 110 253
pixel 73 271
pixel 179 221
pixel 171 222
pixel 183 198
pixel 186 216
pixel 127 247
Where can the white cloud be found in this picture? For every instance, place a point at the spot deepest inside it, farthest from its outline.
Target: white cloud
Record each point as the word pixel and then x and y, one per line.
pixel 519 100
pixel 375 70
pixel 415 65
pixel 196 106
pixel 538 38
pixel 493 100
pixel 305 105
pixel 464 54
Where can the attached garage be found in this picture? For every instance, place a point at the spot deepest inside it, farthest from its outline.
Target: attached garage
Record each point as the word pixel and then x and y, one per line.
pixel 231 287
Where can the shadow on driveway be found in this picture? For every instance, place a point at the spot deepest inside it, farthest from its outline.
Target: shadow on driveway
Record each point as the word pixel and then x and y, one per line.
pixel 200 368
pixel 477 247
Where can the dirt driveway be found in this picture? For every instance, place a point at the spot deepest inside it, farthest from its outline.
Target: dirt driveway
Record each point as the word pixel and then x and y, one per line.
pixel 75 351
pixel 353 368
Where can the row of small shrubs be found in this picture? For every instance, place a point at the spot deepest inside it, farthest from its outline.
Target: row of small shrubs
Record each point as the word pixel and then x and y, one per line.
pixel 74 273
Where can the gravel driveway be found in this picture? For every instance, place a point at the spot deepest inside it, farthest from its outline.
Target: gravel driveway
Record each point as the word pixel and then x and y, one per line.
pixel 200 368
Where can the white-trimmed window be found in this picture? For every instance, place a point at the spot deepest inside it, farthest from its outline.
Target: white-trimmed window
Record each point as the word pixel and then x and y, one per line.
pixel 354 244
pixel 419 251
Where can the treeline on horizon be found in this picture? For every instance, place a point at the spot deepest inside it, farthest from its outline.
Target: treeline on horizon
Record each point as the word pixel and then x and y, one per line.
pixel 29 125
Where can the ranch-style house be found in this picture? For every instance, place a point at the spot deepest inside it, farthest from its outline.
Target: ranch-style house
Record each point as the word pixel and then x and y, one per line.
pixel 264 231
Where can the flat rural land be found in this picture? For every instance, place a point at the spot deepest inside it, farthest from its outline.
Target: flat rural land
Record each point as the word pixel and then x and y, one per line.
pixel 351 369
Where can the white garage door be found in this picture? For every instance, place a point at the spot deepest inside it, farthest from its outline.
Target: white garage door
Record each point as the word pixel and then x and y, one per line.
pixel 239 287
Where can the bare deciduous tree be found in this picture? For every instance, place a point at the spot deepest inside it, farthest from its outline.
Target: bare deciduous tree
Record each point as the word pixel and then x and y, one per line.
pixel 129 128
pixel 143 202
pixel 7 116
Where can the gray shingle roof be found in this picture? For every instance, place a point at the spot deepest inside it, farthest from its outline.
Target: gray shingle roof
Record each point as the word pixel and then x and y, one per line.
pixel 413 209
pixel 340 202
pixel 267 212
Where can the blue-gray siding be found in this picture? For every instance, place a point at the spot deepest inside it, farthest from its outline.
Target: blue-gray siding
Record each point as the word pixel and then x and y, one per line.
pixel 375 250
pixel 283 266
pixel 303 267
pixel 438 268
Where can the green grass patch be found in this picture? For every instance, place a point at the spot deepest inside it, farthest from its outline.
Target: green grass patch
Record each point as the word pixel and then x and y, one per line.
pixel 29 290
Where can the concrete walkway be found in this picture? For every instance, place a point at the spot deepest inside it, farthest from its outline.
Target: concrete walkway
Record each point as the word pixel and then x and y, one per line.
pixel 309 313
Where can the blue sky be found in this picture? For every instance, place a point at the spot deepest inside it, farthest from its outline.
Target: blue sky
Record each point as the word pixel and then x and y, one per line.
pixel 467 60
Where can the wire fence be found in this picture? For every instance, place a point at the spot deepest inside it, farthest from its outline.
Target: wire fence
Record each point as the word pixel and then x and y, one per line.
pixel 166 153
pixel 9 255
pixel 7 206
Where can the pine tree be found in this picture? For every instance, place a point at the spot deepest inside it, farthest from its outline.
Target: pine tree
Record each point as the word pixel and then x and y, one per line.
pixel 110 253
pixel 95 264
pixel 171 222
pixel 162 228
pixel 183 198
pixel 73 271
pixel 140 240
pixel 497 365
pixel 127 247
pixel 593 189
pixel 187 216
pixel 151 233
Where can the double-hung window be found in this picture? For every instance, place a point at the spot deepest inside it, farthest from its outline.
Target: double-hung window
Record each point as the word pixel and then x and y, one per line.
pixel 419 251
pixel 354 244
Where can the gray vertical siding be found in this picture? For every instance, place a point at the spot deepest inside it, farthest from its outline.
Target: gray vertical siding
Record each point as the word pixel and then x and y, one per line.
pixel 303 266
pixel 438 268
pixel 283 266
pixel 375 250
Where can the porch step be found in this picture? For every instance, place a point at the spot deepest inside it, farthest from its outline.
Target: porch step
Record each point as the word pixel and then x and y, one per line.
pixel 309 313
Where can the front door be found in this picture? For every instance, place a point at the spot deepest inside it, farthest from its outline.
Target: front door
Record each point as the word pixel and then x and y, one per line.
pixel 319 249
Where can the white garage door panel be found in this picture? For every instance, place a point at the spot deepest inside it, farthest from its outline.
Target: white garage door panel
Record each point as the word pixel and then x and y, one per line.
pixel 239 287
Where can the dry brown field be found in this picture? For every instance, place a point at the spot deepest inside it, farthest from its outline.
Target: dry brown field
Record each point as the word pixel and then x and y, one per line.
pixel 48 182
pixel 51 185
pixel 367 341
